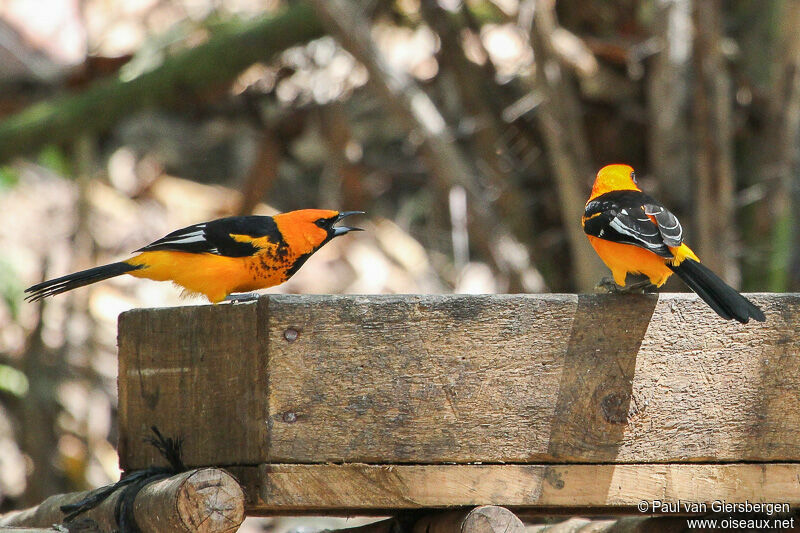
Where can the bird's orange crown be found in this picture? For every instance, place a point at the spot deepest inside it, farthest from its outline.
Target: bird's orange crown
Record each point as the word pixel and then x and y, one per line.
pixel 615 177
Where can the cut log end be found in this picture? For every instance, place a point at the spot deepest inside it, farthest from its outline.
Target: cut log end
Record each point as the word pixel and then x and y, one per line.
pixel 211 500
pixel 204 500
pixel 483 519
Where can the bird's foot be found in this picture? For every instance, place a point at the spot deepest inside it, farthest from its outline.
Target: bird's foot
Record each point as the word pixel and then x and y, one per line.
pixel 242 298
pixel 609 286
pixel 640 287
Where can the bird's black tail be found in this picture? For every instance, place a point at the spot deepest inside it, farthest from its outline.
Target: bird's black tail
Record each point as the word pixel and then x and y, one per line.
pixel 78 279
pixel 722 298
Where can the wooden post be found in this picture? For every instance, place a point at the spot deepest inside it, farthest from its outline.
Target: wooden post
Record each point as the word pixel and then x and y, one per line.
pixel 205 500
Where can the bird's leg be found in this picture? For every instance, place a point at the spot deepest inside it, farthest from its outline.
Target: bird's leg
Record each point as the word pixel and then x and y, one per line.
pixel 638 287
pixel 242 297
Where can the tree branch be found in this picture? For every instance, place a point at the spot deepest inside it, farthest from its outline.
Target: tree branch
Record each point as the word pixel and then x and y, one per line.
pixel 561 124
pixel 211 64
pixel 713 156
pixel 419 115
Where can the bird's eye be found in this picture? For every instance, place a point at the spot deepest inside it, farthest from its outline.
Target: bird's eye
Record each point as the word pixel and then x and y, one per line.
pixel 321 222
pixel 633 176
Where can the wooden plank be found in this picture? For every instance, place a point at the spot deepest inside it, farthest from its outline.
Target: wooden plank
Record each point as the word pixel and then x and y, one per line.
pixel 530 378
pixel 376 489
pixel 196 373
pixel 434 379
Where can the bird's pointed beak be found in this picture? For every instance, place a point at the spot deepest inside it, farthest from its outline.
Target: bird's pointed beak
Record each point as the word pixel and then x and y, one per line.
pixel 341 230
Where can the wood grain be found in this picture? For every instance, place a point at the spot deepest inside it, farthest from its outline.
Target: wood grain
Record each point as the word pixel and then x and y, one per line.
pixel 207 500
pixel 376 489
pixel 462 379
pixel 196 373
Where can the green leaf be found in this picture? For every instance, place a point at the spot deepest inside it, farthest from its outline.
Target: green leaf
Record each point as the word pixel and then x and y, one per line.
pixel 10 288
pixel 13 381
pixel 8 177
pixel 54 158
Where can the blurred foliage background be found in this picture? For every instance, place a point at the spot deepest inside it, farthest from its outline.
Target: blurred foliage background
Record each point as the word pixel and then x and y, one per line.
pixel 468 130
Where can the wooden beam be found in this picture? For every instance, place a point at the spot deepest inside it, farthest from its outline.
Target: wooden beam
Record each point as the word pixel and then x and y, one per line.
pixel 207 500
pixel 462 379
pixel 206 360
pixel 378 489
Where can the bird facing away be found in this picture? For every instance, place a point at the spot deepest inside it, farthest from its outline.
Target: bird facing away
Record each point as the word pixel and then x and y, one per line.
pixel 224 256
pixel 633 233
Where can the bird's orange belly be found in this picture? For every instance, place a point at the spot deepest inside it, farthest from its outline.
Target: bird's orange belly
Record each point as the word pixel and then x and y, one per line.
pixel 214 276
pixel 627 258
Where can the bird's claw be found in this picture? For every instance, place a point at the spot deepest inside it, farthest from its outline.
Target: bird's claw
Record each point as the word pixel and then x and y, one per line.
pixel 640 287
pixel 242 298
pixel 608 285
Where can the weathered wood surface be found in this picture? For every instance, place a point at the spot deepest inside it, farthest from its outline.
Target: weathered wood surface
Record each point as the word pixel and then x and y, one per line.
pixel 434 379
pixel 197 373
pixel 481 519
pixel 376 489
pixel 207 500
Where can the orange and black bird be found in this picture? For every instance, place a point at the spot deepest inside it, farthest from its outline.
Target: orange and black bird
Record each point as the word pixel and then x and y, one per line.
pixel 633 233
pixel 221 257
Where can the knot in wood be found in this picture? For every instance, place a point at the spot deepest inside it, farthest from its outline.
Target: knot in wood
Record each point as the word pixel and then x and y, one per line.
pixel 614 407
pixel 553 477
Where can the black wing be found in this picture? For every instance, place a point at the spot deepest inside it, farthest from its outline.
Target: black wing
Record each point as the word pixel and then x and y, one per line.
pixel 622 216
pixel 215 237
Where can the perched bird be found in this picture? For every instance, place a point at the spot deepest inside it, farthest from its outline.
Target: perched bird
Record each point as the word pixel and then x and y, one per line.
pixel 224 256
pixel 634 233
